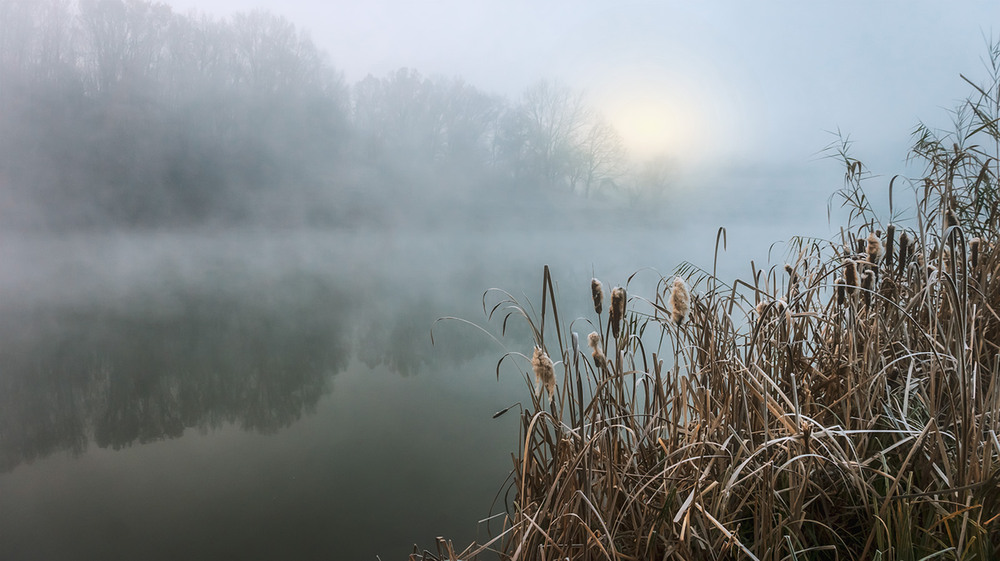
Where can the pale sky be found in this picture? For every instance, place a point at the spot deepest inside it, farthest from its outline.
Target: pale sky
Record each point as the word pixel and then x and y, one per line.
pixel 702 80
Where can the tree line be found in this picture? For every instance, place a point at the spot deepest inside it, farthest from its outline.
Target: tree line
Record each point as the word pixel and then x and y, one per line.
pixel 126 113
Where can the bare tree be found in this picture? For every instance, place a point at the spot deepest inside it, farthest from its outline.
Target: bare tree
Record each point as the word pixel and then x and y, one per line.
pixel 601 156
pixel 554 117
pixel 126 39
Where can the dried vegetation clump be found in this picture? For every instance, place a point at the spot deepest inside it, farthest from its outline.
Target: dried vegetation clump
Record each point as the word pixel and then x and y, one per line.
pixel 845 406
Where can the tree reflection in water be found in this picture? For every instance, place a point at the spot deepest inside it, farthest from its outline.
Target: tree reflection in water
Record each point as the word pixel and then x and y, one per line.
pixel 154 363
pixel 148 368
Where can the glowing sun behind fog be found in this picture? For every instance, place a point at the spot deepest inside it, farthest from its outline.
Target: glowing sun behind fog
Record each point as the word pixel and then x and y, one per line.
pixel 650 125
pixel 675 115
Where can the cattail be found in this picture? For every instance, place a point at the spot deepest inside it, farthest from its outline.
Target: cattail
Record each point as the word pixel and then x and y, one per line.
pixel 617 311
pixel 873 248
pixel 841 290
pixel 889 239
pixel 904 252
pixel 680 301
pixel 867 283
pixel 950 219
pixel 594 340
pixel 974 250
pixel 851 275
pixel 793 277
pixel 544 373
pixel 598 291
pixel 793 281
pixel 759 308
pixel 861 245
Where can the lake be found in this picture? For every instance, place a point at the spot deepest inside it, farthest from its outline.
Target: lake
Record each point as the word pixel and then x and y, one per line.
pixel 275 394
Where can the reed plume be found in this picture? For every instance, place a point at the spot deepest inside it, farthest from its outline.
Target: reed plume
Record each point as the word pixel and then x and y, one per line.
pixel 873 248
pixel 598 292
pixel 680 301
pixel 545 374
pixel 594 340
pixel 867 283
pixel 889 240
pixel 850 275
pixel 950 219
pixel 904 252
pixel 617 312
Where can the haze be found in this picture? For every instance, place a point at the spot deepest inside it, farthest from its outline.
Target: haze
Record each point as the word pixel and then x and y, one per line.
pixel 228 228
pixel 698 79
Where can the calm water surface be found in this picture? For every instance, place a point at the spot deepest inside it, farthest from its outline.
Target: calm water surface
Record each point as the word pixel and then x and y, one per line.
pixel 275 395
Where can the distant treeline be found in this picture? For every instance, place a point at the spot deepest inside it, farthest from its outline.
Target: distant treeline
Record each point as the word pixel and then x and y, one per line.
pixel 124 113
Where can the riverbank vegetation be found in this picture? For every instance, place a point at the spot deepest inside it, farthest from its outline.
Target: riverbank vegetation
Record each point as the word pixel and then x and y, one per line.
pixel 843 405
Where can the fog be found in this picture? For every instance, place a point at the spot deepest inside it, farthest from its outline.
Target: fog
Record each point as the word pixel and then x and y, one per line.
pixel 226 243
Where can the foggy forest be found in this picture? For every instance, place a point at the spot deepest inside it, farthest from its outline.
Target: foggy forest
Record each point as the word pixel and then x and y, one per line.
pixel 127 114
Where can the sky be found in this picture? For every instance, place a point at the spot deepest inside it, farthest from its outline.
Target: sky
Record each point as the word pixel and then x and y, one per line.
pixel 706 81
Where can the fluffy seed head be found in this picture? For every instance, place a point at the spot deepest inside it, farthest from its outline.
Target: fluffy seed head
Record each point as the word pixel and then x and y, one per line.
pixel 545 374
pixel 904 251
pixel 760 307
pixel 680 301
pixel 841 290
pixel 950 219
pixel 851 275
pixel 873 248
pixel 598 291
pixel 617 311
pixel 974 244
pixel 867 282
pixel 594 340
pixel 890 236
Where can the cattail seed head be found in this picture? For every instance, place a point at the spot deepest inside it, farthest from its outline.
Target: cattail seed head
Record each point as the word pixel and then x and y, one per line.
pixel 889 240
pixel 680 301
pixel 598 291
pixel 545 374
pixel 950 219
pixel 617 311
pixel 904 251
pixel 594 340
pixel 841 287
pixel 851 275
pixel 862 244
pixel 873 248
pixel 974 244
pixel 867 283
pixel 759 308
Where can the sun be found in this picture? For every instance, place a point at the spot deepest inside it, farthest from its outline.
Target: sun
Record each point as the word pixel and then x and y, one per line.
pixel 673 110
pixel 653 124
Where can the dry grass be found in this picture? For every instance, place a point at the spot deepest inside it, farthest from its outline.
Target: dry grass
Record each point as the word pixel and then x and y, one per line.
pixel 794 415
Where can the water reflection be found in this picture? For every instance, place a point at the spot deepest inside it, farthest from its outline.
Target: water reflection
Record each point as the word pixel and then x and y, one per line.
pixel 158 360
pixel 148 368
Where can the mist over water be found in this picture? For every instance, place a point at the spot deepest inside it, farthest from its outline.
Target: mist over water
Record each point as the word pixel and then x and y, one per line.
pixel 271 393
pixel 221 267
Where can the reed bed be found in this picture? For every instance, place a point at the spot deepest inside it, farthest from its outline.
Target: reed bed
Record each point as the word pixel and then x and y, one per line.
pixel 844 406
